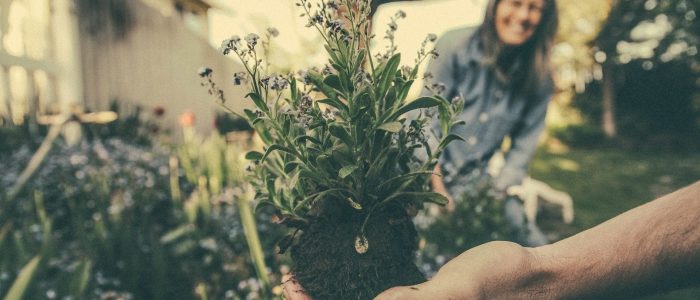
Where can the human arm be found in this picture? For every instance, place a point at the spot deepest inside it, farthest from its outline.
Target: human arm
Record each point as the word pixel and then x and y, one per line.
pixel 652 248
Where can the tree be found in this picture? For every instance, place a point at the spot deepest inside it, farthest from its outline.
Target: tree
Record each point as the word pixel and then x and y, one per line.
pixel 646 33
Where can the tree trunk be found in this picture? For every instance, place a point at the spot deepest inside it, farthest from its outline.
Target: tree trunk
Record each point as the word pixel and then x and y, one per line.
pixel 609 123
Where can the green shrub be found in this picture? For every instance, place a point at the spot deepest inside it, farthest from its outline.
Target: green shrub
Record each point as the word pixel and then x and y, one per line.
pixel 579 135
pixel 101 220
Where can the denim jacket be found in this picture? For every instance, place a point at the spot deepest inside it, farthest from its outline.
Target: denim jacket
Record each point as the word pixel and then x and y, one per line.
pixel 492 111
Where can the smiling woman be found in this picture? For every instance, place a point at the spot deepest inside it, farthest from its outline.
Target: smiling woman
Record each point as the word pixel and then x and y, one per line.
pixel 517 20
pixel 501 70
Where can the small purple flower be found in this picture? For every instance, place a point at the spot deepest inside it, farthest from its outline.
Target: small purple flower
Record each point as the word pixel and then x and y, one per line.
pixel 230 44
pixel 252 40
pixel 204 72
pixel 334 25
pixel 333 4
pixel 239 77
pixel 432 37
pixel 273 31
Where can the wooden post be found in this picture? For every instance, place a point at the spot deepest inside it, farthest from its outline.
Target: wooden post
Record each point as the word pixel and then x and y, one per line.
pixel 609 123
pixel 6 95
pixel 66 49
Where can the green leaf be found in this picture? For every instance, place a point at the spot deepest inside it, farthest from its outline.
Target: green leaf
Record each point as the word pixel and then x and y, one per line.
pixel 404 90
pixel 358 61
pixel 335 103
pixel 258 101
pixel 422 102
pixel 259 119
pixel 83 278
pixel 390 127
pixel 176 233
pixel 432 197
pixel 270 185
pixel 347 170
pixel 353 204
pixel 317 80
pixel 308 200
pixel 402 177
pixel 294 93
pixel 388 74
pixel 253 155
pixel 331 53
pixel 276 147
pixel 324 162
pixel 341 133
pixel 302 138
pixel 262 202
pixel 23 279
pixel 250 114
pixel 333 81
pixel 445 117
pixel 458 122
pixel 448 139
pixel 290 166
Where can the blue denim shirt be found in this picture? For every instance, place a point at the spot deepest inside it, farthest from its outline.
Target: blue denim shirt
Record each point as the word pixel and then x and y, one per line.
pixel 492 111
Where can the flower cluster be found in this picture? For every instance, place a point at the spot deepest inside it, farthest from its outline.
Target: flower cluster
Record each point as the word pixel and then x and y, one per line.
pixel 275 82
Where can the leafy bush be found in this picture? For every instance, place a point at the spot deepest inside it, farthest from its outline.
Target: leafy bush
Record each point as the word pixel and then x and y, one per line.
pixel 579 135
pixel 100 220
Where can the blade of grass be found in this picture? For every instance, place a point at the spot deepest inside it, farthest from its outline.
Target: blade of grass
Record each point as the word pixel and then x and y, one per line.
pixel 19 286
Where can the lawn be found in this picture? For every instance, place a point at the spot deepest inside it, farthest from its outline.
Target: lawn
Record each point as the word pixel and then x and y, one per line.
pixel 607 182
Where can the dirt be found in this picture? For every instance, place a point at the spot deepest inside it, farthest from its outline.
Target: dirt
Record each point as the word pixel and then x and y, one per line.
pixel 328 266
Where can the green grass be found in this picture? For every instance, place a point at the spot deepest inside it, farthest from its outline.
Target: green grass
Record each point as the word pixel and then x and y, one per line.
pixel 607 182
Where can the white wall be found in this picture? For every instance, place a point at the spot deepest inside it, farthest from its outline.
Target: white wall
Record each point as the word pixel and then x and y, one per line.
pixel 156 65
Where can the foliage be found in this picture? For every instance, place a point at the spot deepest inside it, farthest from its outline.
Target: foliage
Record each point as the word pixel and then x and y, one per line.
pixel 572 55
pixel 225 122
pixel 135 126
pixel 647 50
pixel 579 135
pixel 100 220
pixel 478 218
pixel 654 32
pixel 353 147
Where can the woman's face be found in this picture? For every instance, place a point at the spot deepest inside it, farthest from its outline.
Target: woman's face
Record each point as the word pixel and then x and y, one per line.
pixel 517 20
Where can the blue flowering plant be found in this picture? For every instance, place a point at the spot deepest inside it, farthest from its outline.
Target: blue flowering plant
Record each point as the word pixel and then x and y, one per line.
pixel 342 164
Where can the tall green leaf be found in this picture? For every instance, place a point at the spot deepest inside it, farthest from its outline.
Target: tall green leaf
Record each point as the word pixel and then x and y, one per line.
pixel 21 283
pixel 422 102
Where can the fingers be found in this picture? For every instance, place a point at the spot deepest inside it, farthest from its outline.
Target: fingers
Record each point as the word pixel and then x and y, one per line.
pixel 292 289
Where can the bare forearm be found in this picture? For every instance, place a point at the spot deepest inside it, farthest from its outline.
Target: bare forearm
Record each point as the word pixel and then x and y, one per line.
pixel 651 248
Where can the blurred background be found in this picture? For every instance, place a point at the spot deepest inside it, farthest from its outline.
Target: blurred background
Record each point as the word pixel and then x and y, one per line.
pixel 123 179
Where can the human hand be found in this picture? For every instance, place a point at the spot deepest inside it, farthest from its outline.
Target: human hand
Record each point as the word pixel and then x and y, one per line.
pixel 292 289
pixel 490 271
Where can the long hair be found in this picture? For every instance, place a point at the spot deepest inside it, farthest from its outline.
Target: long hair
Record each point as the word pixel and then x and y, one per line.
pixel 533 55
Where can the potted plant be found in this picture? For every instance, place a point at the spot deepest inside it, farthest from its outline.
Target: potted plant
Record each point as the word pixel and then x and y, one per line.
pixel 342 166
